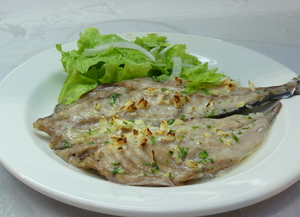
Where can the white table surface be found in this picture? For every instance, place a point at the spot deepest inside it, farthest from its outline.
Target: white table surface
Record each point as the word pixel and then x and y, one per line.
pixel 29 27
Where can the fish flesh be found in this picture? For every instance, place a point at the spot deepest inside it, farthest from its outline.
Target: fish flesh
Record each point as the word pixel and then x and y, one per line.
pixel 150 101
pixel 142 132
pixel 135 153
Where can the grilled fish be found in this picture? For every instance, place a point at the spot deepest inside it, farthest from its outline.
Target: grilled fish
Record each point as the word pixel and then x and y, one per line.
pixel 141 132
pixel 168 154
pixel 150 101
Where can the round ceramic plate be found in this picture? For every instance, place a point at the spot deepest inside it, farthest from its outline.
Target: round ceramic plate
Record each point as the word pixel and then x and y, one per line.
pixel 31 91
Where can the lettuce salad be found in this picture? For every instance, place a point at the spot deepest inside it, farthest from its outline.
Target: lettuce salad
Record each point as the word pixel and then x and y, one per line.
pixel 109 58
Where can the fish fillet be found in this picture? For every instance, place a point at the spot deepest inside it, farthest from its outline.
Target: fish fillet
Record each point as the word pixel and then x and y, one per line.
pixel 154 134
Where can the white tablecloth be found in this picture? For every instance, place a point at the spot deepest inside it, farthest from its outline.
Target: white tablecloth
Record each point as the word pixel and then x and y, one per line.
pixel 29 27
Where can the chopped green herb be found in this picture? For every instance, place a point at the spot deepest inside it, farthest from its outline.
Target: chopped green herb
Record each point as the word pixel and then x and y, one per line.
pixel 171 121
pixel 90 131
pixel 208 126
pixel 65 144
pixel 170 175
pixel 171 153
pixel 182 117
pixel 146 163
pixel 246 128
pixel 153 140
pixel 154 167
pixel 124 122
pixel 206 91
pixel 91 143
pixel 239 133
pixel 116 170
pixel 106 142
pixel 224 110
pixel 163 89
pixel 203 155
pixel 107 131
pixel 236 139
pixel 195 127
pixel 113 97
pixel 182 151
pixel 210 114
pixel 211 160
pixel 221 140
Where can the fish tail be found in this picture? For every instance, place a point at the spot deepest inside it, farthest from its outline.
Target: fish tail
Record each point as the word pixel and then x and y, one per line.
pixel 297 86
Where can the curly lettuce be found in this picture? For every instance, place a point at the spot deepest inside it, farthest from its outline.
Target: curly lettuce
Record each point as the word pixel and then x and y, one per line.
pixel 109 58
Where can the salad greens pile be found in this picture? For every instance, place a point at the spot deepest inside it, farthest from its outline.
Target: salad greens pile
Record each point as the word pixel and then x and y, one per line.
pixel 111 59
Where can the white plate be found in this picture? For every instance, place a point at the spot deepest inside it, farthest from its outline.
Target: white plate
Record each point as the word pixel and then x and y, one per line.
pixel 31 91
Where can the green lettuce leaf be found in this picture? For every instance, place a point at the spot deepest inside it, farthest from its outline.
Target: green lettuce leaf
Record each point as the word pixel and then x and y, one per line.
pixel 115 64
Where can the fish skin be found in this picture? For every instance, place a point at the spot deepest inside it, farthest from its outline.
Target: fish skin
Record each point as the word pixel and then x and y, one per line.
pixel 128 154
pixel 227 141
pixel 147 100
pixel 92 134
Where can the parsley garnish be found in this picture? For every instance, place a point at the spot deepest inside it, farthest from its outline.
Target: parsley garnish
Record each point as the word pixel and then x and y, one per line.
pixel 206 91
pixel 210 114
pixel 117 168
pixel 154 167
pixel 183 151
pixel 171 121
pixel 236 139
pixel 113 97
pixel 246 128
pixel 153 140
pixel 203 155
pixel 65 144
